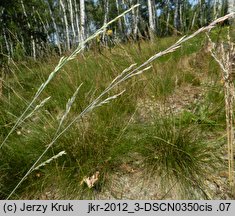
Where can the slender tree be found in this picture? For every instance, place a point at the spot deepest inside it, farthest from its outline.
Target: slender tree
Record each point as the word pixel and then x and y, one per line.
pixel 66 24
pixel 231 9
pixel 124 6
pixel 120 20
pixel 29 26
pixel 57 39
pixel 72 20
pixel 106 14
pixel 151 20
pixel 77 21
pixel 82 20
pixel 135 18
pixel 176 16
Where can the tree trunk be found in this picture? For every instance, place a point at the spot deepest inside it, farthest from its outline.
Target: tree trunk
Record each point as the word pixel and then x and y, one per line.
pixel 125 19
pixel 135 19
pixel 82 20
pixel 106 13
pixel 119 20
pixel 202 7
pixel 215 12
pixel 66 24
pixel 231 8
pixel 176 17
pixel 151 20
pixel 181 25
pixel 167 16
pixel 72 20
pixel 77 21
pixel 57 41
pixel 31 36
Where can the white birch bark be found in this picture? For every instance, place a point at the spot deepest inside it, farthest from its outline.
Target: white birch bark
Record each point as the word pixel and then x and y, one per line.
pixel 106 13
pixel 135 19
pixel 72 19
pixel 176 17
pixel 66 24
pixel 119 20
pixel 220 6
pixel 151 20
pixel 231 6
pixel 82 20
pixel 154 14
pixel 29 26
pixel 56 30
pixel 37 46
pixel 124 17
pixel 215 12
pixel 137 16
pixel 168 16
pixel 77 22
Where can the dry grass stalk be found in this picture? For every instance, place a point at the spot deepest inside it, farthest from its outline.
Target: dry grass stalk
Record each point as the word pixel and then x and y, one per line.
pixel 224 55
pixel 49 160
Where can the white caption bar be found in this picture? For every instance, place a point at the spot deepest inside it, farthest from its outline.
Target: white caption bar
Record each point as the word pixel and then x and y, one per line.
pixel 115 207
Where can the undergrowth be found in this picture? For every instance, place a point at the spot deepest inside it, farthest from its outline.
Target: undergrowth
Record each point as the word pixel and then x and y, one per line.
pixel 173 147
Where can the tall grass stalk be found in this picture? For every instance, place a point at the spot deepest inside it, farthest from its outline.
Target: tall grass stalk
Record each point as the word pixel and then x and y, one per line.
pixel 224 57
pixel 49 160
pixel 126 74
pixel 62 62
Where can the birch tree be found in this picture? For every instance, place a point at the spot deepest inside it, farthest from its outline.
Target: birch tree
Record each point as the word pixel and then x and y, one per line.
pixel 72 19
pixel 215 11
pixel 181 5
pixel 106 13
pixel 29 26
pixel 231 6
pixel 151 20
pixel 82 20
pixel 124 17
pixel 77 20
pixel 55 28
pixel 176 17
pixel 231 9
pixel 119 20
pixel 134 18
pixel 202 16
pixel 168 15
pixel 66 24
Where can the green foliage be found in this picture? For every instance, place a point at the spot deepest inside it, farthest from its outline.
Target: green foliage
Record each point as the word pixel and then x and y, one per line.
pixel 41 26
